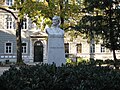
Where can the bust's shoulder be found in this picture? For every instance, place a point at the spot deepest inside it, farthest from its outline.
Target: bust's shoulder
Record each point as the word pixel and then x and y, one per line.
pixel 47 30
pixel 61 30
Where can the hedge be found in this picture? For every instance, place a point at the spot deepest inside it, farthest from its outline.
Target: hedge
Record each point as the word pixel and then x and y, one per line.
pixel 67 77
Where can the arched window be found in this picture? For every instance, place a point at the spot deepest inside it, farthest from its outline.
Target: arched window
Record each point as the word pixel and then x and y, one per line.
pixel 79 48
pixel 24 48
pixel 66 49
pixel 8 48
pixel 24 24
pixel 102 48
pixel 9 2
pixel 9 22
pixel 92 48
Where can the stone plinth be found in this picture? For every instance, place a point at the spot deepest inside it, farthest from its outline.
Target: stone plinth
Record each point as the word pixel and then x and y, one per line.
pixel 56 52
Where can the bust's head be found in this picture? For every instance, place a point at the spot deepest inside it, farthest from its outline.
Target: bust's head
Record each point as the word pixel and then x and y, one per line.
pixel 56 21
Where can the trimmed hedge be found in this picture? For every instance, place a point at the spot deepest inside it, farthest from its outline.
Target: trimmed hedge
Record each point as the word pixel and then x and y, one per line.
pixel 66 77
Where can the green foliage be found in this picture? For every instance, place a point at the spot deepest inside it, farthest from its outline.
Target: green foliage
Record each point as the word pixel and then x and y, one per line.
pixel 81 60
pixel 68 60
pixel 76 61
pixel 66 77
pixel 69 11
pixel 102 21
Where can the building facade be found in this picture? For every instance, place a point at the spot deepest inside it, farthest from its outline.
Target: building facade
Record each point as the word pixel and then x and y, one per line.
pixel 34 42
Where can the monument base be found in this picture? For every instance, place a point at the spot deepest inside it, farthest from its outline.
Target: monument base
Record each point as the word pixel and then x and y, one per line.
pixel 56 55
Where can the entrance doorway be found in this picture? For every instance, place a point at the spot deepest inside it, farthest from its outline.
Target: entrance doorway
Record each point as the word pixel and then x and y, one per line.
pixel 38 51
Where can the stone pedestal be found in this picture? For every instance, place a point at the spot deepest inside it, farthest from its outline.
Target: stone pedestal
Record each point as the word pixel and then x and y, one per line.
pixel 56 52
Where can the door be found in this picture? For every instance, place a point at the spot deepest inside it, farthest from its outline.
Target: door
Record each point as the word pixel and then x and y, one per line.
pixel 38 51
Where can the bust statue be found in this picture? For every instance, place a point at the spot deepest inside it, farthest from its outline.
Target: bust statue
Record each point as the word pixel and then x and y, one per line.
pixel 56 52
pixel 55 27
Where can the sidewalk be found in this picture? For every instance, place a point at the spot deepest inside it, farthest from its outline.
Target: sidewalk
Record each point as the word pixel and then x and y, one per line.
pixel 2 69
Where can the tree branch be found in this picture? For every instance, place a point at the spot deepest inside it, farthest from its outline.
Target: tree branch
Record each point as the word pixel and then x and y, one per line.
pixel 69 27
pixel 9 12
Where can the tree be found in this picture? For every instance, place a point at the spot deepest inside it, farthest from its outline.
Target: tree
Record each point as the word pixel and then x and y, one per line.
pixel 18 20
pixel 69 11
pixel 106 22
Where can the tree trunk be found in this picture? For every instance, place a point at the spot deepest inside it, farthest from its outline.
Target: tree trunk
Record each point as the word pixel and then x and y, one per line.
pixel 111 36
pixel 61 13
pixel 18 36
pixel 19 45
pixel 115 60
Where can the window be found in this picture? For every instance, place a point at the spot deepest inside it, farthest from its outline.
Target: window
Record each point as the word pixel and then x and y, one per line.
pixel 66 49
pixel 102 48
pixel 92 48
pixel 9 2
pixel 9 22
pixel 24 48
pixel 8 48
pixel 24 24
pixel 79 48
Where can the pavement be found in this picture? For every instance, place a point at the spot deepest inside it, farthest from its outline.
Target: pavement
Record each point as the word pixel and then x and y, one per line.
pixel 2 69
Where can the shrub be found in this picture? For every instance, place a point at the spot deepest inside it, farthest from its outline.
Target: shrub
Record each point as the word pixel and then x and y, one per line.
pixel 76 60
pixel 109 61
pixel 99 62
pixel 66 77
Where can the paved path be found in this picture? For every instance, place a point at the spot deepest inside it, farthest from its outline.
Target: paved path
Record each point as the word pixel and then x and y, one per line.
pixel 2 69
